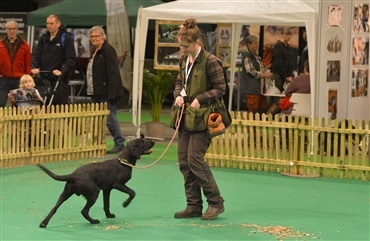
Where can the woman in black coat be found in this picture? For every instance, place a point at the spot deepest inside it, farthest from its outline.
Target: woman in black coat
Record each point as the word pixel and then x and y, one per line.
pixel 104 82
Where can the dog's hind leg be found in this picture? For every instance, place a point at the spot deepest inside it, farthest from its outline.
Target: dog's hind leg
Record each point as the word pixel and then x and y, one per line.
pixel 91 199
pixel 106 197
pixel 129 191
pixel 67 193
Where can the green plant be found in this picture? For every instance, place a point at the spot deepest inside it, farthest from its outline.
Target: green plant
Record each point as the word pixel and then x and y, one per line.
pixel 155 89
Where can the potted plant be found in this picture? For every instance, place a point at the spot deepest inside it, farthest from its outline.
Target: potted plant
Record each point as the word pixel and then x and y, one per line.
pixel 155 89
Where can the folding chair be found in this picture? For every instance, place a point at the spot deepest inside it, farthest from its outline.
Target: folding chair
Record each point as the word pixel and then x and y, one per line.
pixel 302 104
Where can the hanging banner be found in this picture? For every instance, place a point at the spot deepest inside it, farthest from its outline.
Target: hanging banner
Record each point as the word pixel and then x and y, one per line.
pixel 118 32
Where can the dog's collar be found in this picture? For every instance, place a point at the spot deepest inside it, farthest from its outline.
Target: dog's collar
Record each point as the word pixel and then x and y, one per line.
pixel 123 161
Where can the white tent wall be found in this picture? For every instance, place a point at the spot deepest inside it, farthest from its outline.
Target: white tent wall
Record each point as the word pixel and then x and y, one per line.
pixel 236 12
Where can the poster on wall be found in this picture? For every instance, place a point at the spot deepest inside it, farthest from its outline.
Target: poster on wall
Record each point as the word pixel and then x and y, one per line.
pixel 332 103
pixel 333 71
pixel 335 15
pixel 81 42
pixel 245 32
pixel 361 18
pixel 20 18
pixel 360 83
pixel 223 49
pixel 360 47
pixel 334 41
pixel 271 34
pixel 80 35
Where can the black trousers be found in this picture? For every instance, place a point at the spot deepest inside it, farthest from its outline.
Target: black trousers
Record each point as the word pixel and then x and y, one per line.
pixel 198 176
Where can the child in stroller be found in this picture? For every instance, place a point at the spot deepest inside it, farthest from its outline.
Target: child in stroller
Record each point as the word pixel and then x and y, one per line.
pixel 27 95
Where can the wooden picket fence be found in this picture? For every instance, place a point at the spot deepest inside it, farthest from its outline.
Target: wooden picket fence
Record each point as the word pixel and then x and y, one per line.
pixel 294 146
pixel 51 134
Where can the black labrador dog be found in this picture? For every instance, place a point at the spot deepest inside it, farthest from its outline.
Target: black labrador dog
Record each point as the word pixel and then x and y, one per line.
pixel 88 179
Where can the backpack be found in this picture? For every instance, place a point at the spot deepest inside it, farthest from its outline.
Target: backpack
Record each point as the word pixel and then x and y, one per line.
pixel 64 33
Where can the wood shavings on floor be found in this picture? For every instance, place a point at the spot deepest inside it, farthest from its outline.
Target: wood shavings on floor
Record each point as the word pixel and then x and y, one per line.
pixel 279 232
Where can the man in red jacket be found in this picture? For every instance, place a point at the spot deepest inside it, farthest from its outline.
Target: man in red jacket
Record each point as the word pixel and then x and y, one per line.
pixel 15 60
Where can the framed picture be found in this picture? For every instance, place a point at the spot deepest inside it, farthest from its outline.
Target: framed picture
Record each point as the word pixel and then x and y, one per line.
pixel 223 50
pixel 360 83
pixel 225 56
pixel 360 55
pixel 361 18
pixel 271 34
pixel 334 41
pixel 167 57
pixel 224 35
pixel 333 71
pixel 332 103
pixel 166 50
pixel 335 15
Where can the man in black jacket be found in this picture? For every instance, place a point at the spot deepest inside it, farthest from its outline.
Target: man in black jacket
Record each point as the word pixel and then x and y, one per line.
pixel 55 52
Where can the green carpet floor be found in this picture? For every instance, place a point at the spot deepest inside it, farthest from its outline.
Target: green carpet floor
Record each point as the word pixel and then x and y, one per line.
pixel 256 203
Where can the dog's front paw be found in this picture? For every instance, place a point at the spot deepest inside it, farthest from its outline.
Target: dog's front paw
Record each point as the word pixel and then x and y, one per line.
pixel 126 203
pixel 111 215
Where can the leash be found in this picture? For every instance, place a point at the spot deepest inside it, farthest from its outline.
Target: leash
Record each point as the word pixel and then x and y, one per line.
pixel 177 125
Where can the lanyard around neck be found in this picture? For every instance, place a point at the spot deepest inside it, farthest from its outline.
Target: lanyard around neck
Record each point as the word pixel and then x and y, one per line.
pixel 188 69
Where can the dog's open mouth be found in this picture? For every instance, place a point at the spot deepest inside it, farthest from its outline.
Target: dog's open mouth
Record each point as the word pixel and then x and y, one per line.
pixel 147 152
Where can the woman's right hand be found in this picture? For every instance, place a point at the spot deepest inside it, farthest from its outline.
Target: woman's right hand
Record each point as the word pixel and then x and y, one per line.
pixel 35 71
pixel 179 101
pixel 266 74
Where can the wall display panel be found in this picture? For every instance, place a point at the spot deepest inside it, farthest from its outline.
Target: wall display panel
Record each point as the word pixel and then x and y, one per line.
pixel 360 51
pixel 344 59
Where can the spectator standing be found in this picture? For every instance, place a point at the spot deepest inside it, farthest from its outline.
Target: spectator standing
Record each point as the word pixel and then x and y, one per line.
pixel 283 61
pixel 104 82
pixel 253 74
pixel 55 52
pixel 15 60
pixel 199 81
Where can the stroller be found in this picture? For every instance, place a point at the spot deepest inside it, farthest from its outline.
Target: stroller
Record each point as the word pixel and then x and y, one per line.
pixel 28 97
pixel 44 86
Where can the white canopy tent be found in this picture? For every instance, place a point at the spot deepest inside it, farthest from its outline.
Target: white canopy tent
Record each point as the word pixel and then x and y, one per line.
pixel 236 12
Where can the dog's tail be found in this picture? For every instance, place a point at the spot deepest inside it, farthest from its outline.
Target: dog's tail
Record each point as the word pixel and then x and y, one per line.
pixel 53 175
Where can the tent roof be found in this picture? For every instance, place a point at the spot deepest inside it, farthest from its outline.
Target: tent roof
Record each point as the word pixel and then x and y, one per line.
pixel 85 13
pixel 233 11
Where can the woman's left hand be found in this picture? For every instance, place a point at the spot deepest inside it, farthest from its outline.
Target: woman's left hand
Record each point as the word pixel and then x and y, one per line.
pixel 195 104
